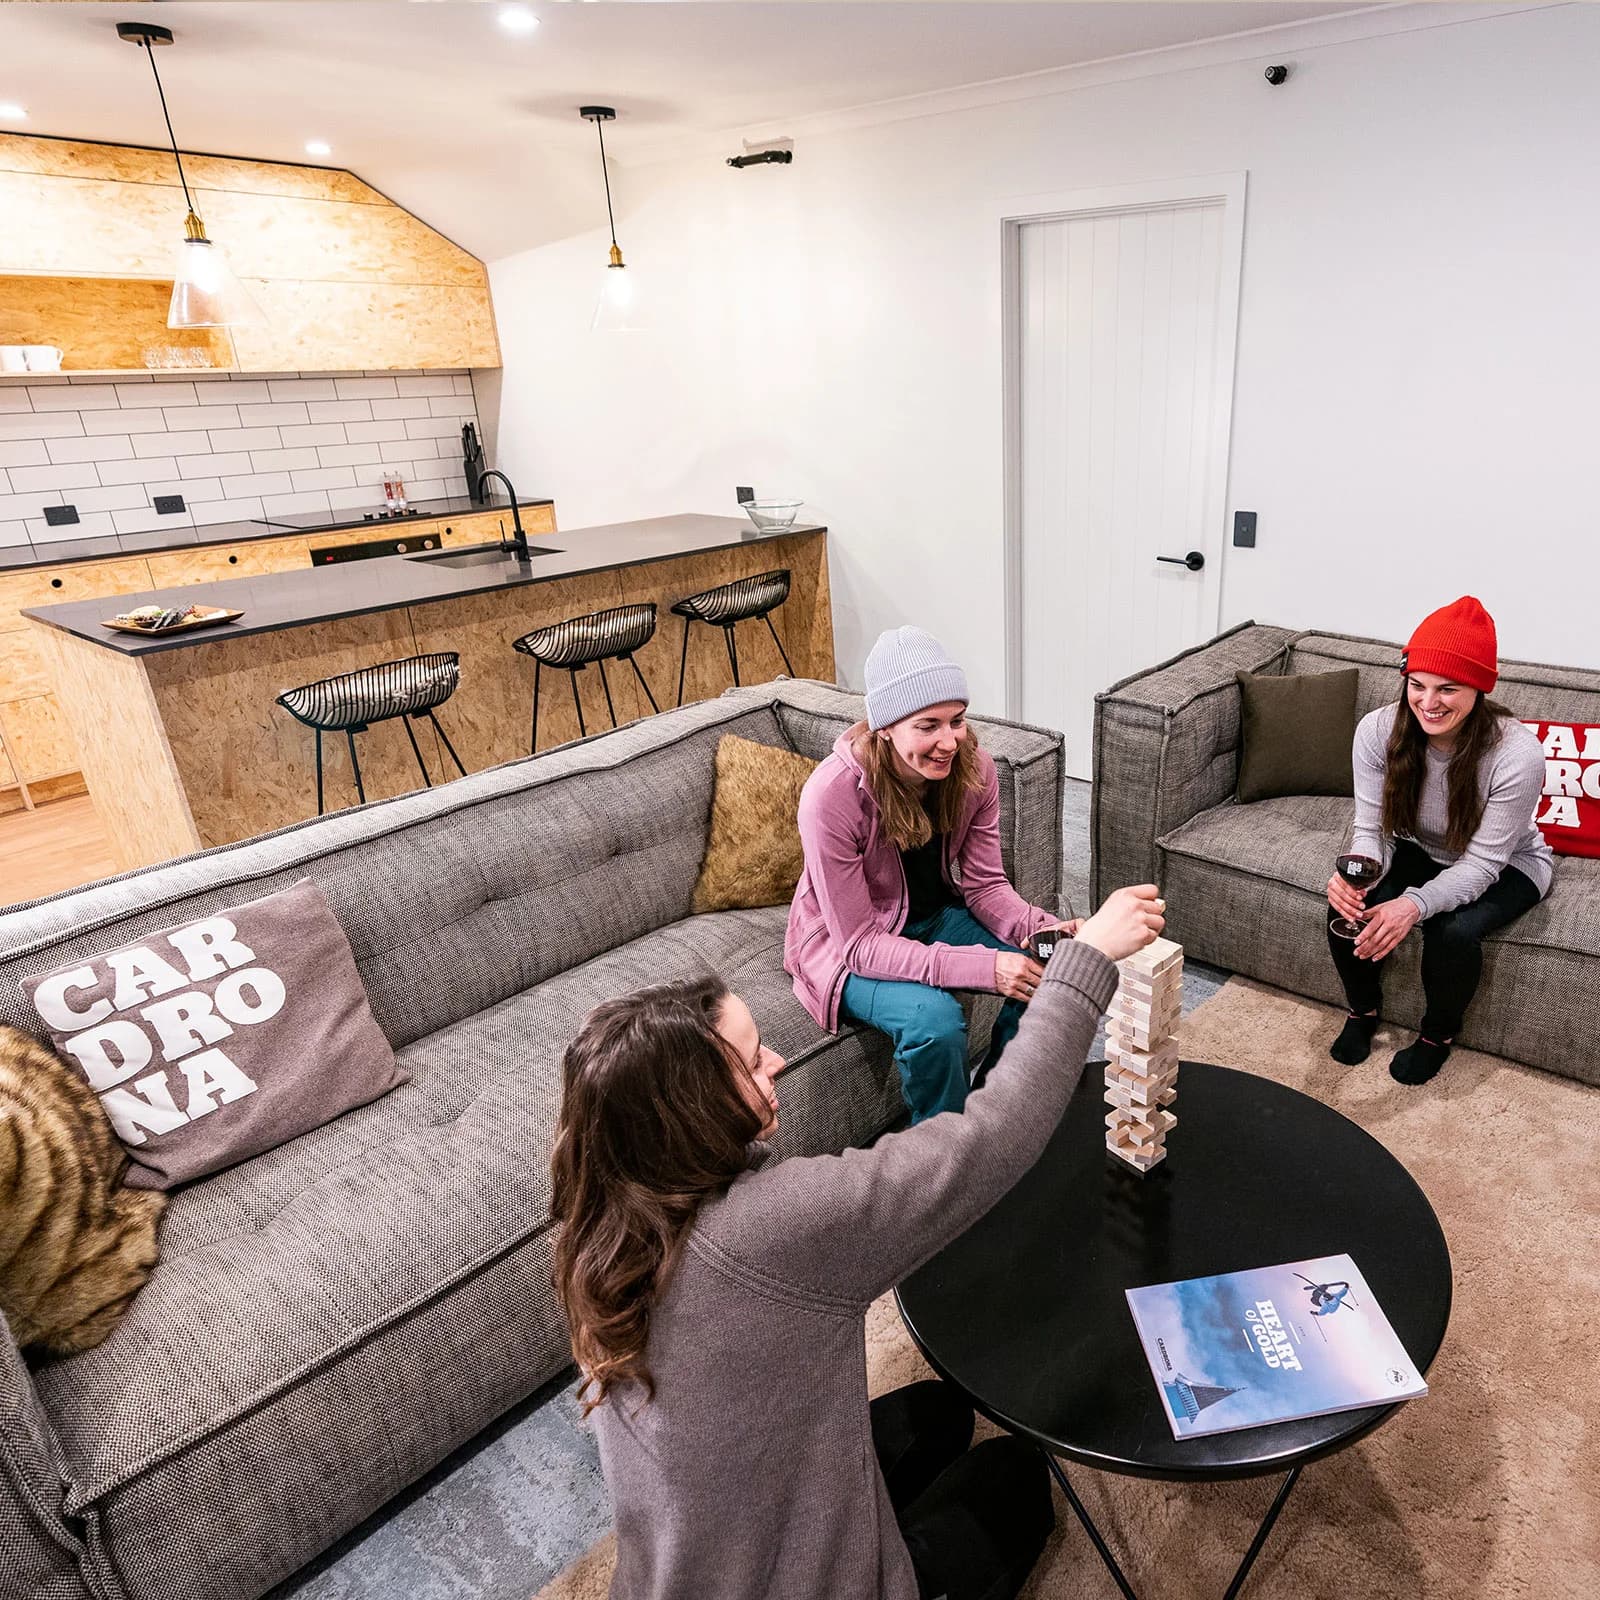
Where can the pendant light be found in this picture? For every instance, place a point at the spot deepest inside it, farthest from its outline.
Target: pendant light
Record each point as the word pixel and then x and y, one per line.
pixel 205 293
pixel 616 310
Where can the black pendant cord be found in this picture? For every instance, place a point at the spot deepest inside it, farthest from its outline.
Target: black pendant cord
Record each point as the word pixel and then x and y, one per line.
pixel 600 128
pixel 172 138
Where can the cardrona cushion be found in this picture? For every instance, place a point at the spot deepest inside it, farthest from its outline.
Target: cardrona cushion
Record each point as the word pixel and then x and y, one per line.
pixel 753 855
pixel 221 1038
pixel 1296 733
pixel 1569 811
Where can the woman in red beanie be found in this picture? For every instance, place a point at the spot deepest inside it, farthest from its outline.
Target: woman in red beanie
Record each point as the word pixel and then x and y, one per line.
pixel 1446 783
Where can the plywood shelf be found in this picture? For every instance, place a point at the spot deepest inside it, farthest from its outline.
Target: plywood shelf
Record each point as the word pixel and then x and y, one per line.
pixel 104 325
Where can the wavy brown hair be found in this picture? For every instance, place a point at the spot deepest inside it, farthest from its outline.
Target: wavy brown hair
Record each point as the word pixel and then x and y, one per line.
pixel 1405 767
pixel 905 821
pixel 653 1124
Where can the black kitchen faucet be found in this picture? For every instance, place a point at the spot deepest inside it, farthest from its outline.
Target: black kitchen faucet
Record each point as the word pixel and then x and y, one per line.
pixel 519 540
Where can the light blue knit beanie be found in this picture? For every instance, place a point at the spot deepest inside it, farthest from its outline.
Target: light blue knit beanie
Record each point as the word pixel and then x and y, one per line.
pixel 908 670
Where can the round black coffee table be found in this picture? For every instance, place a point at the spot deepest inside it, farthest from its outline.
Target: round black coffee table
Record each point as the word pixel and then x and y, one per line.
pixel 1026 1311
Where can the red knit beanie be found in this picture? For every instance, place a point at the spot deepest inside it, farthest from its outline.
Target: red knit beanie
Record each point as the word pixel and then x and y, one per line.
pixel 1457 642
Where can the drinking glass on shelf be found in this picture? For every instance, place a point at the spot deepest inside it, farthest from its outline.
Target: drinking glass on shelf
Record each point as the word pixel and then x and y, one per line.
pixel 1360 872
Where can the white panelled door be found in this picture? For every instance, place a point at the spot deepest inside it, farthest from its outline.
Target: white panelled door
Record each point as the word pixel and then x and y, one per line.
pixel 1123 371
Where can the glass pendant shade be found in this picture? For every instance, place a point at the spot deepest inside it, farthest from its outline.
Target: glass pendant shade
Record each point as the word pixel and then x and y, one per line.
pixel 205 293
pixel 617 308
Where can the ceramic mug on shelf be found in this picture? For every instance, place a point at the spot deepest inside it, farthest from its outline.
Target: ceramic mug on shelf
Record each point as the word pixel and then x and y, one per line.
pixel 42 357
pixel 12 358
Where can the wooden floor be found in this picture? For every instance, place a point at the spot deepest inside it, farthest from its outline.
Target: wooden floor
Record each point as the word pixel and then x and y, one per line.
pixel 58 845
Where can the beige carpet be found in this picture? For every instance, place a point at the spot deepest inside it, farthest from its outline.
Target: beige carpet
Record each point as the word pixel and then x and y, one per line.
pixel 1488 1487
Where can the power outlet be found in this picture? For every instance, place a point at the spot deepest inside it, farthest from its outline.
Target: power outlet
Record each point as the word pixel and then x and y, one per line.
pixel 1244 530
pixel 745 495
pixel 60 516
pixel 166 504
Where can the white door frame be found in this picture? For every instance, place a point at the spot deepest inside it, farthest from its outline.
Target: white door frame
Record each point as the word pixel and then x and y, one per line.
pixel 1013 213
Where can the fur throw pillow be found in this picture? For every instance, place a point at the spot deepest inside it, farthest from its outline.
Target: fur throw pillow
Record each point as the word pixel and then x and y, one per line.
pixel 75 1246
pixel 753 855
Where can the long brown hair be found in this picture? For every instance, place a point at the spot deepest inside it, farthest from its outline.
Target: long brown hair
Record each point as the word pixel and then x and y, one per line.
pixel 653 1124
pixel 905 821
pixel 1405 766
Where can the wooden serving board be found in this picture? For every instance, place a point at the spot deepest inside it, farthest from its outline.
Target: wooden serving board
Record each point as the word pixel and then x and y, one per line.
pixel 206 620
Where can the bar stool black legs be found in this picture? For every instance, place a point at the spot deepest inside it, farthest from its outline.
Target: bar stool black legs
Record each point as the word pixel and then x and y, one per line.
pixel 351 702
pixel 729 604
pixel 572 645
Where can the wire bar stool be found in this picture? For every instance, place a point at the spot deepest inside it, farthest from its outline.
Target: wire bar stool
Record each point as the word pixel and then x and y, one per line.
pixel 597 638
pixel 351 702
pixel 728 604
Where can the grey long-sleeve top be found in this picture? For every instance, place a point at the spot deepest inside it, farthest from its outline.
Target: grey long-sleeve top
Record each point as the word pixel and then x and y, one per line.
pixel 1510 777
pixel 752 1473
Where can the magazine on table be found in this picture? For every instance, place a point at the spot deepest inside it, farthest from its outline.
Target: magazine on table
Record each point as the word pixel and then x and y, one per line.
pixel 1244 1349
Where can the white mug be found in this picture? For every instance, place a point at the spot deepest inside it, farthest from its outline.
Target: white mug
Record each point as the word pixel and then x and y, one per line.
pixel 42 357
pixel 12 358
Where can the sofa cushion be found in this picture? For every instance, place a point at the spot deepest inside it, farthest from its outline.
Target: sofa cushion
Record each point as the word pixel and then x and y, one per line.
pixel 1296 733
pixel 345 1223
pixel 753 853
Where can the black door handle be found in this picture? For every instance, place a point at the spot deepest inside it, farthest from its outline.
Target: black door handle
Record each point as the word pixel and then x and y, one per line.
pixel 1193 561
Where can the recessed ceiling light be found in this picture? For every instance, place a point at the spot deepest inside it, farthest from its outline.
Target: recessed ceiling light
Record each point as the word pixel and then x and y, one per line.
pixel 517 19
pixel 318 147
pixel 10 112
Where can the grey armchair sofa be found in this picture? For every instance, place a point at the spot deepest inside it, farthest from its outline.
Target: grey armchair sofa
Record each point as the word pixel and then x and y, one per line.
pixel 1247 884
pixel 331 1319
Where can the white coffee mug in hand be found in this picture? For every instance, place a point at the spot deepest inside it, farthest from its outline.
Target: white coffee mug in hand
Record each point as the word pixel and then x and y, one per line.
pixel 42 357
pixel 12 358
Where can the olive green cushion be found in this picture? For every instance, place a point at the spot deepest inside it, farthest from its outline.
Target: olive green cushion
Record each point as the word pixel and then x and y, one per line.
pixel 1296 733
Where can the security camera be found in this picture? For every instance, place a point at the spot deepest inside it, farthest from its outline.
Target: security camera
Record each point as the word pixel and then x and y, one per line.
pixel 1277 75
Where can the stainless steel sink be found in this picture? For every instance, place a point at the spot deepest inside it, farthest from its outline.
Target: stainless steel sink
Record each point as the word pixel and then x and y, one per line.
pixel 479 555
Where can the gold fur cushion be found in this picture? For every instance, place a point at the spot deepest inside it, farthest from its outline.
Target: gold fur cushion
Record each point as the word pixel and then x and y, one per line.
pixel 753 855
pixel 75 1246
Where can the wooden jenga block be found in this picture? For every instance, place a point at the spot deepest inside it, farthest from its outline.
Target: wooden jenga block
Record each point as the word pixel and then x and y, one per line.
pixel 1161 955
pixel 1146 1125
pixel 1128 1033
pixel 1140 1164
pixel 1163 1016
pixel 1117 1095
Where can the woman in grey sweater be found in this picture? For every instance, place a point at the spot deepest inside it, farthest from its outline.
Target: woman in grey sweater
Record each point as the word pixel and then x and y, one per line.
pixel 717 1301
pixel 1447 783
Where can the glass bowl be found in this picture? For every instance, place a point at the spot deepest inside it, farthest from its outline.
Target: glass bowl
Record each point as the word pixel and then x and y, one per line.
pixel 769 515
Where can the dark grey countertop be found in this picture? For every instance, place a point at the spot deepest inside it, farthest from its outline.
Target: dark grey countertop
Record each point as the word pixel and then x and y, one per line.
pixel 159 540
pixel 352 589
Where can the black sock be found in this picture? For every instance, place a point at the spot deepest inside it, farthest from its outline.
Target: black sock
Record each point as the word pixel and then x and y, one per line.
pixel 1418 1062
pixel 1354 1043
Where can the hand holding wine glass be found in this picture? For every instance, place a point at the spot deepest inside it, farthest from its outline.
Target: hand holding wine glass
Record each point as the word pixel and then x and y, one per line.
pixel 1347 893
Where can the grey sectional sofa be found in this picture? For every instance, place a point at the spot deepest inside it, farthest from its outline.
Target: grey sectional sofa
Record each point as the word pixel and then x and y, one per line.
pixel 330 1320
pixel 1247 884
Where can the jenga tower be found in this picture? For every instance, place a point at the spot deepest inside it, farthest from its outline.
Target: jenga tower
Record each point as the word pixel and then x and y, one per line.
pixel 1142 1055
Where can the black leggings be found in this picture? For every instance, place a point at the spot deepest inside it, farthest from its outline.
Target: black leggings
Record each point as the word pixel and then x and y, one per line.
pixel 974 1520
pixel 1452 942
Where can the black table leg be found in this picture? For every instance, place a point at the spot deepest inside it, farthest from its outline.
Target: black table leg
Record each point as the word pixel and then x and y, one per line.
pixel 1058 1472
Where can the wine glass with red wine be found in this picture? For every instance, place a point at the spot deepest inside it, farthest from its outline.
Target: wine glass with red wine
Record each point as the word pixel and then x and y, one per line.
pixel 1360 872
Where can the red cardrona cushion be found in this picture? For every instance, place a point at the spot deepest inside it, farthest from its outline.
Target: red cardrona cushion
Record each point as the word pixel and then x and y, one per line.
pixel 1569 811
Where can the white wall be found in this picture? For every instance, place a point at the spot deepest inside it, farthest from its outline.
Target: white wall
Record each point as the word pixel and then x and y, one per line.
pixel 1419 338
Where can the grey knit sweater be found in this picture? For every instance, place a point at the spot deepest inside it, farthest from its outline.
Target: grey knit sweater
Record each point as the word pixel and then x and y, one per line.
pixel 1510 776
pixel 752 1473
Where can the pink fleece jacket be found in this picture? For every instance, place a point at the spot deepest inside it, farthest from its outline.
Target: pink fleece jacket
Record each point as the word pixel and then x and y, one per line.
pixel 851 901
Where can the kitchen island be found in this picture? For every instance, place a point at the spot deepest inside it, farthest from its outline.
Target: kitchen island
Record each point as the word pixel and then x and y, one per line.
pixel 183 746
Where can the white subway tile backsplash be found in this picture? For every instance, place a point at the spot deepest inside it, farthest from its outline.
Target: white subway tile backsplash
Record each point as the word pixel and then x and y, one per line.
pixel 374 473
pixel 30 425
pixel 366 388
pixel 144 521
pixel 20 507
pixel 314 433
pixel 257 483
pixel 370 432
pixel 349 455
pixel 121 497
pixel 360 498
pixel 186 418
pixel 227 439
pixel 140 396
pixel 282 460
pixel 13 533
pixel 423 386
pixel 24 453
pixel 94 526
pixel 213 466
pixel 124 422
pixel 189 488
pixel 383 409
pixel 79 475
pixel 279 505
pixel 237 391
pixel 325 478
pixel 452 405
pixel 205 511
pixel 432 427
pixel 340 410
pixel 74 397
pixel 302 389
pixel 148 471
pixel 463 383
pixel 14 397
pixel 170 444
pixel 5 480
pixel 109 447
pixel 273 415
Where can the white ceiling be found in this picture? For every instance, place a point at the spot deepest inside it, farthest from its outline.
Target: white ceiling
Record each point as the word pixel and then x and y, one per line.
pixel 477 130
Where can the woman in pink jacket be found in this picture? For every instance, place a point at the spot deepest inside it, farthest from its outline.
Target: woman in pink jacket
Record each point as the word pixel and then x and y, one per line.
pixel 903 897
